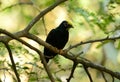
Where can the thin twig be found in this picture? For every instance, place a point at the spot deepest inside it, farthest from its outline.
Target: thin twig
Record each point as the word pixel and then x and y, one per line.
pixel 41 42
pixel 12 61
pixel 64 52
pixel 35 20
pixel 93 41
pixel 98 67
pixel 42 13
pixel 103 76
pixel 44 25
pixel 31 47
pixel 112 78
pixel 86 70
pixel 20 3
pixel 81 60
pixel 72 71
pixel 35 5
pixel 4 75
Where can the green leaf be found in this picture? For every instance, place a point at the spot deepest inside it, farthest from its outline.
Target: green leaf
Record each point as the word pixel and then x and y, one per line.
pixel 25 68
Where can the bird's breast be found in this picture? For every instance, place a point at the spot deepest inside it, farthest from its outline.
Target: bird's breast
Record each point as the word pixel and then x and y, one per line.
pixel 61 39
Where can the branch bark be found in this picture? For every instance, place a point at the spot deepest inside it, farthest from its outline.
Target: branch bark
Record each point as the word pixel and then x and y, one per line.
pixel 25 33
pixel 12 61
pixel 88 73
pixel 93 41
pixel 42 13
pixel 20 3
pixel 72 71
pixel 79 60
pixel 35 49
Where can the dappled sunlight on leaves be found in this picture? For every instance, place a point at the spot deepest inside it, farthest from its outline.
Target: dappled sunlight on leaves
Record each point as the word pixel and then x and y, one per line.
pixel 91 20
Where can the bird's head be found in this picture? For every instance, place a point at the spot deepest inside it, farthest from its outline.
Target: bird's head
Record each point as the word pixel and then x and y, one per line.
pixel 66 25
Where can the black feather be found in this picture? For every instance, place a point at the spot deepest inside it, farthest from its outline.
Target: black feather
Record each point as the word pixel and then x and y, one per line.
pixel 58 38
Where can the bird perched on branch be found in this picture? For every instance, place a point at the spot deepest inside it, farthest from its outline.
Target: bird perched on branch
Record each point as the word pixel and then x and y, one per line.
pixel 57 37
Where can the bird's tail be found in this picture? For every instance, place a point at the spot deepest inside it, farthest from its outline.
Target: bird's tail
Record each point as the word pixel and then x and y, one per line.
pixel 47 59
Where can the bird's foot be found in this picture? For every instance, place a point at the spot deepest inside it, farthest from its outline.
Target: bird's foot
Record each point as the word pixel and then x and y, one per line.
pixel 61 51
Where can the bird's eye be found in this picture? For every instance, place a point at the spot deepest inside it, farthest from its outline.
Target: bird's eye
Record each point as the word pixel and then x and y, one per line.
pixel 65 24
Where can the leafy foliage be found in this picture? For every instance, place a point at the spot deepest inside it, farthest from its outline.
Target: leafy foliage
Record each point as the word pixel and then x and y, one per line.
pixel 89 22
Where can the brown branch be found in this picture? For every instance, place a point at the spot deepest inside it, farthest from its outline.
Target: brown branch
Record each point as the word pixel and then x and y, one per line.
pixel 64 53
pixel 12 61
pixel 41 42
pixel 103 75
pixel 93 41
pixel 42 13
pixel 86 70
pixel 99 67
pixel 72 71
pixel 20 3
pixel 112 79
pixel 84 62
pixel 17 34
pixel 92 65
pixel 35 49
pixel 26 30
pixel 43 20
pixel 79 60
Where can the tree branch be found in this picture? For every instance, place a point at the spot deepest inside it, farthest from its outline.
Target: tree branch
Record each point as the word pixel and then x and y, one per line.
pixel 79 60
pixel 112 78
pixel 42 13
pixel 31 47
pixel 103 75
pixel 43 20
pixel 93 41
pixel 72 71
pixel 20 3
pixel 24 33
pixel 99 67
pixel 86 70
pixel 26 30
pixel 41 42
pixel 12 61
pixel 17 34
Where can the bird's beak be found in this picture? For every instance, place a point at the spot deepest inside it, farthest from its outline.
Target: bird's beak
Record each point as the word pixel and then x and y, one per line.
pixel 70 26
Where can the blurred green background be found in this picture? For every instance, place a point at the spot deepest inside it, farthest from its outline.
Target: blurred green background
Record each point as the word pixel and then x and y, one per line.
pixel 92 19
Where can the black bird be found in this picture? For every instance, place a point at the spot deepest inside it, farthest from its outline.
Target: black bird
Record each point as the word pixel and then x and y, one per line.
pixel 57 37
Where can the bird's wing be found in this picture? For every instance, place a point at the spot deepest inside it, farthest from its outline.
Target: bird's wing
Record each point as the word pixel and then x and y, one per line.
pixel 51 37
pixel 57 39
